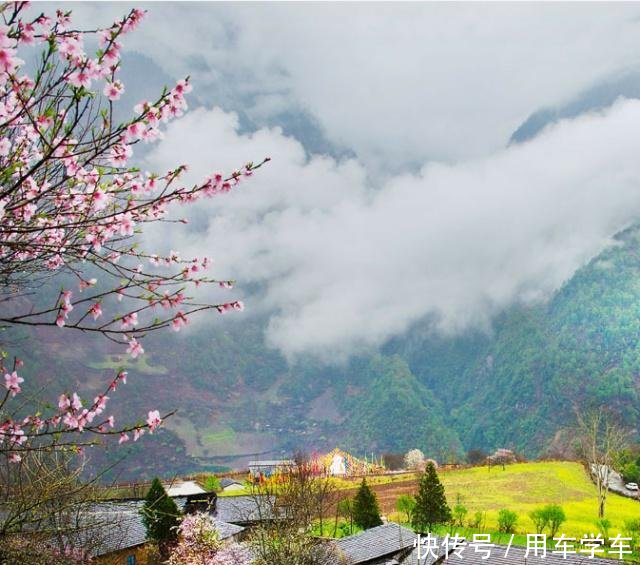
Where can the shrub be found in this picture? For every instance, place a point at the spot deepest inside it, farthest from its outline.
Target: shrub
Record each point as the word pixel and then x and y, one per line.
pixel 477 522
pixel 406 503
pixel 555 517
pixel 539 519
pixel 551 515
pixel 507 521
pixel 211 484
pixel 631 473
pixel 459 513
pixel 603 525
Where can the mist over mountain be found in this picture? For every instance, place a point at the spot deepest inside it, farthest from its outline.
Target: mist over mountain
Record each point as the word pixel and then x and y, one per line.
pixel 597 97
pixel 516 386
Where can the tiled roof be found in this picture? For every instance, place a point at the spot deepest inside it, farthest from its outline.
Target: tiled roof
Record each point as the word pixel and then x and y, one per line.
pixel 243 509
pixel 100 531
pixel 226 530
pixel 375 543
pixel 112 526
pixel 500 556
pixel 516 556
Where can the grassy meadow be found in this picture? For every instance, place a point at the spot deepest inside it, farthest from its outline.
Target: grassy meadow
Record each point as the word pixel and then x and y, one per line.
pixel 525 486
pixel 521 488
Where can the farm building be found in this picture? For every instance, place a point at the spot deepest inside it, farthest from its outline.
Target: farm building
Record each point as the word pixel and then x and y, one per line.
pixel 269 468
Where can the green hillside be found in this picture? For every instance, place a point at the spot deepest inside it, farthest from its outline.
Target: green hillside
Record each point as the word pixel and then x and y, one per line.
pixel 237 399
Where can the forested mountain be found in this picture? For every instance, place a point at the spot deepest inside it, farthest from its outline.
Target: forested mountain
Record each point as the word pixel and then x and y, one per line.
pixel 237 399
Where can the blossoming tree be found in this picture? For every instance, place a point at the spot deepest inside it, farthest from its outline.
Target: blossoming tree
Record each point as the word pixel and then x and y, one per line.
pixel 199 543
pixel 72 207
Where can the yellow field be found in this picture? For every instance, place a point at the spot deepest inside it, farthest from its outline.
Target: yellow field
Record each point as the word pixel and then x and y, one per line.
pixel 525 486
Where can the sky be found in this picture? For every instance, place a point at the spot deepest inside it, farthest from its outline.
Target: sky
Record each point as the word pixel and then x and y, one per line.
pixel 394 195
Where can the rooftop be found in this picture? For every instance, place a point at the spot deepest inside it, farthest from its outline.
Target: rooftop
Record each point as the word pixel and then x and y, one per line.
pixel 376 543
pixel 183 488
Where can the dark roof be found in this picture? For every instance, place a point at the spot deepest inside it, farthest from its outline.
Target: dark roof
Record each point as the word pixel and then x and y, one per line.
pixel 112 526
pixel 499 556
pixel 376 543
pixel 429 558
pixel 104 528
pixel 226 530
pixel 243 509
pixel 224 483
pixel 516 556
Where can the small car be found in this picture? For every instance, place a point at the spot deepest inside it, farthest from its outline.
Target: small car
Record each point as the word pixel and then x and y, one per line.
pixel 631 486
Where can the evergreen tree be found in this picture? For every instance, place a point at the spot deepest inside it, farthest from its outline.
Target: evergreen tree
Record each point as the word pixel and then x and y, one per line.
pixel 431 505
pixel 366 512
pixel 160 517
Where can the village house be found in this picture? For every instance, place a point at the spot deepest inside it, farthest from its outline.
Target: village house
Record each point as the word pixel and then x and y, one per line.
pixel 270 467
pixel 230 485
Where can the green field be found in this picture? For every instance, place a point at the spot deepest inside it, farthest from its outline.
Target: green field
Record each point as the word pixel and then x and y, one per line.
pixel 521 488
pixel 124 362
pixel 525 486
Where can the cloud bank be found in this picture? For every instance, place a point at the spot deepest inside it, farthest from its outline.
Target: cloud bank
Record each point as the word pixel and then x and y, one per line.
pixel 343 265
pixel 397 84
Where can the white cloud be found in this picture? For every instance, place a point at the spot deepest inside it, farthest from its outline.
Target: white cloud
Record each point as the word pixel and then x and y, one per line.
pixel 346 266
pixel 397 83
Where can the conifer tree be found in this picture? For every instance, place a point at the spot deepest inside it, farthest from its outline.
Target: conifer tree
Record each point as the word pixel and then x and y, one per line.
pixel 366 512
pixel 431 504
pixel 160 517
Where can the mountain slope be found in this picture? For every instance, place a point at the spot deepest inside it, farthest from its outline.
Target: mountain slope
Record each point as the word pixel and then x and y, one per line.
pixel 237 399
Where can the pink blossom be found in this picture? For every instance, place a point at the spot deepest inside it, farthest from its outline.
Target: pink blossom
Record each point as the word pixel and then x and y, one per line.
pixel 87 284
pixel 27 32
pixel 79 79
pixel 60 320
pixel 44 121
pixel 70 47
pixel 8 61
pixel 5 147
pixel 134 348
pixel 14 457
pixel 100 200
pixel 111 421
pixel 100 403
pixel 123 437
pixel 96 310
pixel 126 224
pixel 64 402
pixel 179 322
pixel 113 90
pixel 134 131
pixel 129 320
pixel 138 433
pixel 154 420
pixel 76 403
pixel 12 382
pixel 183 87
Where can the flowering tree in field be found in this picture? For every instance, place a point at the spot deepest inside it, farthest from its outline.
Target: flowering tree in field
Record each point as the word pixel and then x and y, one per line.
pixel 414 459
pixel 71 207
